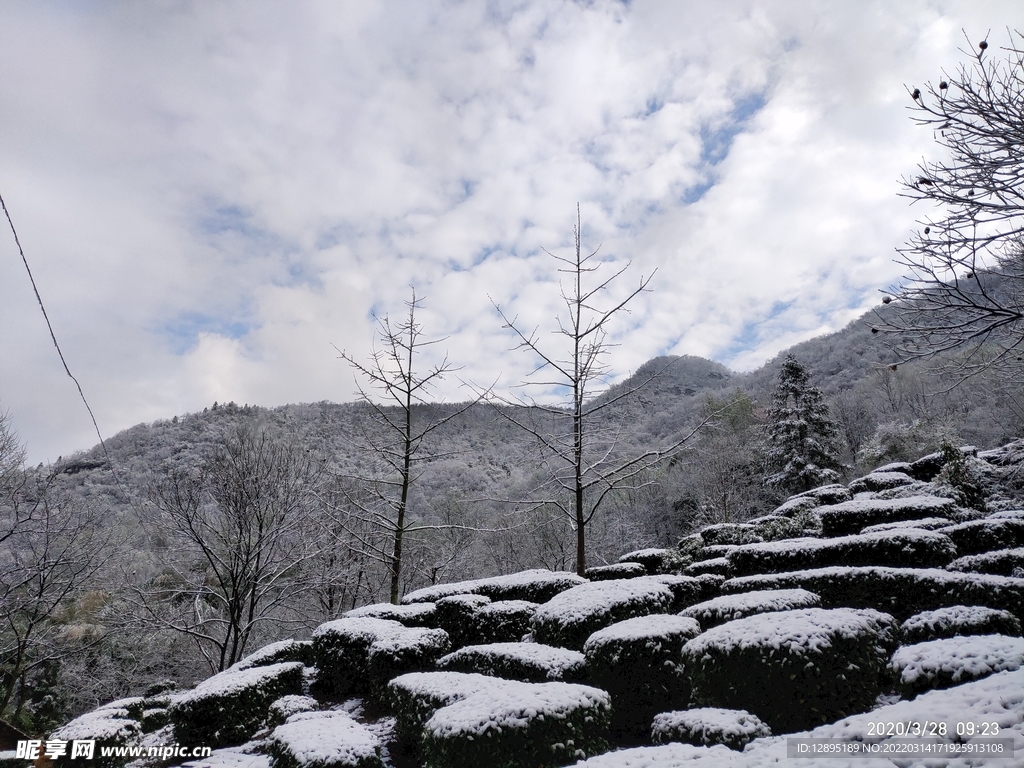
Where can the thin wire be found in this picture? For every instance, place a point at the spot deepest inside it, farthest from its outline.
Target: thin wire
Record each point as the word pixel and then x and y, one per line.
pixel 52 334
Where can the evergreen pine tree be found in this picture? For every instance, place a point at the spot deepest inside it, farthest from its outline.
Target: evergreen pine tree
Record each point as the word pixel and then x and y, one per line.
pixel 801 437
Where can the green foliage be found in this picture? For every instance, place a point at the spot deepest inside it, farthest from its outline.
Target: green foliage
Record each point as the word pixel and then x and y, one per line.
pixel 958 474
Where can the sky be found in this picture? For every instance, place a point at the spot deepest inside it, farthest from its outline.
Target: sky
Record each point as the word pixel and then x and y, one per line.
pixel 215 198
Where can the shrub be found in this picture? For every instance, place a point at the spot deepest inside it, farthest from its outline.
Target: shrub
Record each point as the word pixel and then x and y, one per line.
pixel 570 618
pixel 958 620
pixel 657 561
pixel 154 719
pixel 796 505
pixel 879 481
pixel 616 571
pixel 899 591
pixel 539 725
pixel 775 527
pixel 275 653
pixel 901 547
pixel 1002 562
pixel 323 740
pixel 925 523
pixel 717 565
pixel 711 613
pixel 230 707
pixel 528 662
pixel 109 727
pixel 456 615
pixel 796 669
pixel 638 661
pixel 686 590
pixel 415 698
pixel 413 615
pixel 505 621
pixel 835 493
pixel 986 535
pixel 342 647
pixel 710 585
pixel 665 756
pixel 536 586
pixel 414 650
pixel 954 660
pixel 290 705
pixel 715 551
pixel 707 726
pixel 853 516
pixel 730 533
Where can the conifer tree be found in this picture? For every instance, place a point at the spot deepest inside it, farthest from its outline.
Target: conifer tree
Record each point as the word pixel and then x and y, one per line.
pixel 800 453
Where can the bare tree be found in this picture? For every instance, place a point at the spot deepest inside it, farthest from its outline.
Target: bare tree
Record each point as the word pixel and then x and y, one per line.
pixel 582 449
pixel 965 289
pixel 240 523
pixel 379 514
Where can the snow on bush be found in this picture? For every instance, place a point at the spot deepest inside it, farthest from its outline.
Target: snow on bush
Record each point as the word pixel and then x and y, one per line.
pixel 793 669
pixel 834 493
pixel 290 705
pixel 853 516
pixel 711 613
pixel 798 505
pixel 729 533
pixel 716 565
pixel 958 620
pixel 656 560
pixel 710 585
pixel 228 708
pixel 504 621
pixel 154 718
pixel 616 571
pixel 899 591
pixel 414 650
pixel 638 661
pixel 528 662
pixel 1001 562
pixel 230 757
pixel 686 590
pixel 275 653
pixel 666 756
pixel 341 648
pixel 456 615
pixel 323 740
pixel 954 660
pixel 714 551
pixel 533 725
pixel 925 523
pixel 413 615
pixel 536 586
pixel 417 696
pixel 901 547
pixel 707 726
pixel 109 727
pixel 880 481
pixel 986 535
pixel 776 527
pixel 568 619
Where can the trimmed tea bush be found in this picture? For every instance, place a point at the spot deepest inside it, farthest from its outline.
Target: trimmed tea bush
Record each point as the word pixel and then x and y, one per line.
pixel 776 527
pixel 657 561
pixel 414 650
pixel 717 565
pixel 710 585
pixel 536 586
pixel 323 740
pixel 707 726
pixel 290 705
pixel 715 551
pixel 1002 562
pixel 414 615
pixel 528 662
pixel 342 647
pixel 711 613
pixel 958 620
pixel 539 725
pixel 853 516
pixel 836 493
pixel 275 653
pixel 638 661
pixel 230 707
pixel 673 755
pixel 417 696
pixel 686 590
pixel 568 619
pixel 730 533
pixel 456 615
pixel 616 571
pixel 899 591
pixel 794 670
pixel 901 547
pixel 110 727
pixel 880 481
pixel 955 660
pixel 505 621
pixel 925 523
pixel 986 535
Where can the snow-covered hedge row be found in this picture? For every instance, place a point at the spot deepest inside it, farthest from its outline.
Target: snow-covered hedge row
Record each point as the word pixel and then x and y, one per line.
pixel 456 615
pixel 414 615
pixel 540 725
pixel 926 523
pixel 775 527
pixel 616 571
pixel 536 586
pixel 793 670
pixel 568 619
pixel 342 649
pixel 504 621
pixel 707 726
pixel 899 591
pixel 109 727
pixel 853 516
pixel 880 481
pixel 323 740
pixel 275 653
pixel 954 660
pixel 657 561
pixel 414 650
pixel 638 662
pixel 415 697
pixel 290 705
pixel 976 536
pixel 230 707
pixel 730 533
pixel 528 662
pixel 1002 562
pixel 716 565
pixel 901 547
pixel 958 620
pixel 719 610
